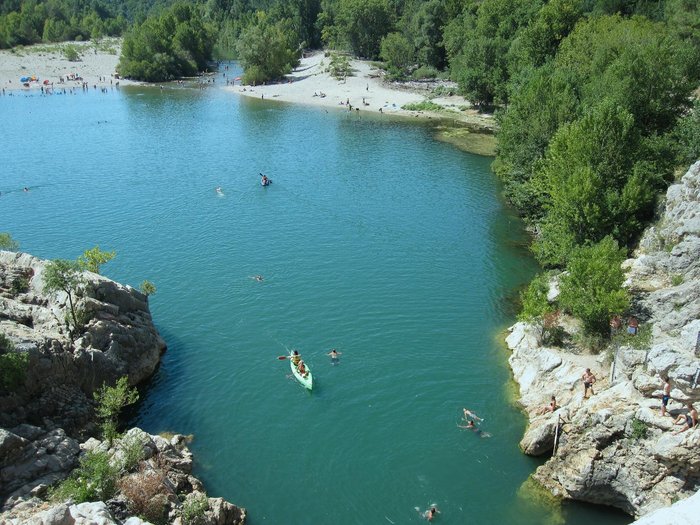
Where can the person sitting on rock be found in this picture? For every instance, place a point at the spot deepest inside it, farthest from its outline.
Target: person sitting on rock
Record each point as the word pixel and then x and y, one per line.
pixel 690 419
pixel 551 407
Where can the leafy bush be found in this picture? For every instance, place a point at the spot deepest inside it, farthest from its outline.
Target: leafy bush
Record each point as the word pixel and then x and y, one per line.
pixel 92 259
pixel 147 288
pixel 339 67
pixel 13 365
pixel 426 105
pixel 424 72
pixel 71 53
pixel 639 429
pixel 110 401
pixel 20 285
pixel 592 288
pixel 94 480
pixel 193 509
pixel 7 243
pixel 132 452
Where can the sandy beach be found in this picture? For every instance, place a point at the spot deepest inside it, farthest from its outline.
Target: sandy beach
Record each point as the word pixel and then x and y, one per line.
pixel 366 90
pixel 48 63
pixel 309 84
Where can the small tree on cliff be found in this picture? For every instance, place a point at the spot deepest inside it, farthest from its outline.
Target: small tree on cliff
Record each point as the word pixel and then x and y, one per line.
pixel 110 401
pixel 92 259
pixel 64 276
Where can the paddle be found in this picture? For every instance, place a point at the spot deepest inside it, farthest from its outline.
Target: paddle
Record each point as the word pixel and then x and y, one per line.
pixel 282 357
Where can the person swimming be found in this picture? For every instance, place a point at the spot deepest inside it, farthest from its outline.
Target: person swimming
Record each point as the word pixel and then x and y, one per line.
pixel 334 356
pixel 258 278
pixel 219 190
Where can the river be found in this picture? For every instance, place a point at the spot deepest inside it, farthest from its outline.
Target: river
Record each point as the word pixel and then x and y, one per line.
pixel 374 238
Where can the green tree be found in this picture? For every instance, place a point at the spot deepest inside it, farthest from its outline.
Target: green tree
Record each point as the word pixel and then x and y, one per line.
pixel 592 288
pixel 398 53
pixel 539 41
pixel 363 24
pixel 267 50
pixel 174 44
pixel 594 182
pixel 7 243
pixel 92 259
pixel 481 64
pixel 64 276
pixel 110 402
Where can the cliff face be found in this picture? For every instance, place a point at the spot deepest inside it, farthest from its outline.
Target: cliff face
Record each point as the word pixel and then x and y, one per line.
pixel 615 448
pixel 118 339
pixel 43 421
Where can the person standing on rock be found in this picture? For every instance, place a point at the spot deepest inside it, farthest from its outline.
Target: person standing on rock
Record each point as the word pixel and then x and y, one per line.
pixel 666 396
pixel 588 381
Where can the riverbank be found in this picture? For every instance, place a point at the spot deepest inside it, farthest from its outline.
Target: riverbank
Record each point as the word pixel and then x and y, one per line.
pixel 66 65
pixel 617 448
pixel 368 91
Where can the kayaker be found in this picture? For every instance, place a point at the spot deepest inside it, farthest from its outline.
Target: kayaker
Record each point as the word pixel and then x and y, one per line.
pixel 264 181
pixel 302 368
pixel 296 358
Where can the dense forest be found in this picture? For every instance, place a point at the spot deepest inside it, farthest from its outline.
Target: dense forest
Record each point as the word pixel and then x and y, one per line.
pixel 594 98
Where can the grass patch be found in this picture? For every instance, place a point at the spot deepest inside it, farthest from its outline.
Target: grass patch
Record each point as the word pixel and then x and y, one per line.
pixel 426 105
pixel 677 280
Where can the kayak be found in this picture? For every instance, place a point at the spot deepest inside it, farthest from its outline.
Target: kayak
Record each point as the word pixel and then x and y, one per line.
pixel 307 379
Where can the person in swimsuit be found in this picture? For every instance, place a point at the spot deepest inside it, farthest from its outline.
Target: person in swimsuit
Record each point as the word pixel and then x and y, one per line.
pixel 690 419
pixel 588 380
pixel 430 513
pixel 666 396
pixel 301 368
pixel 334 356
pixel 469 414
pixel 296 358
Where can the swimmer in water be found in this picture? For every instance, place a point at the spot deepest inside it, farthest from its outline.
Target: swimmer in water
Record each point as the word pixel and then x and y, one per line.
pixel 258 278
pixel 469 414
pixel 430 513
pixel 471 426
pixel 219 190
pixel 334 356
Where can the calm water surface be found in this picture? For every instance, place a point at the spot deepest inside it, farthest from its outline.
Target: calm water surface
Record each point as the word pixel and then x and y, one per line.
pixel 373 238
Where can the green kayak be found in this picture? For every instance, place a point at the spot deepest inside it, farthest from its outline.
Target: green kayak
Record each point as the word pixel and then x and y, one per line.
pixel 305 379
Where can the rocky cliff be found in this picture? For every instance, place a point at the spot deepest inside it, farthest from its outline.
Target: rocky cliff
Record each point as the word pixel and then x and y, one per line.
pixel 46 417
pixel 615 448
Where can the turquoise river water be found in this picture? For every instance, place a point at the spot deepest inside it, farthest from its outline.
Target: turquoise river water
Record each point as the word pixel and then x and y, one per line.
pixel 374 238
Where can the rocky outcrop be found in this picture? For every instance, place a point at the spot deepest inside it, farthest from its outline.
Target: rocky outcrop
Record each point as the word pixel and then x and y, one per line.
pixel 118 339
pixel 615 448
pixel 154 481
pixel 44 418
